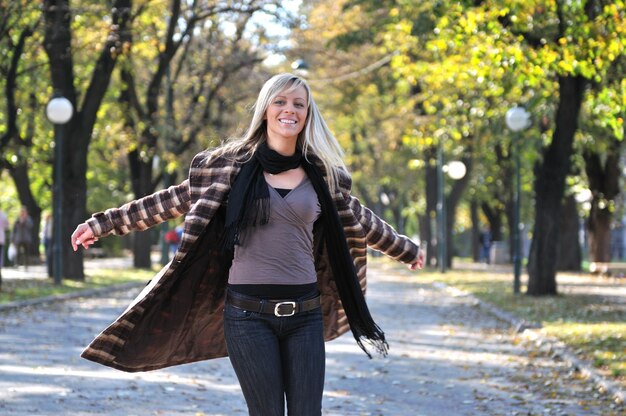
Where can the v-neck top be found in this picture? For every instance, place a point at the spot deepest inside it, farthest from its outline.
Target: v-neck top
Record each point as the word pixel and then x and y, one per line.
pixel 281 251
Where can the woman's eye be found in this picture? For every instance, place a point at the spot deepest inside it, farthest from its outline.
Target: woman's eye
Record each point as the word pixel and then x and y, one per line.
pixel 279 102
pixel 299 105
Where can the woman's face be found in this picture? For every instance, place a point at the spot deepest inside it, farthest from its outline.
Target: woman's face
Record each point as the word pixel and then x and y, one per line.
pixel 286 116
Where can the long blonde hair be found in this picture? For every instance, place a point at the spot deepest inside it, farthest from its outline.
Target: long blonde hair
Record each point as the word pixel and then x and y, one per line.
pixel 315 138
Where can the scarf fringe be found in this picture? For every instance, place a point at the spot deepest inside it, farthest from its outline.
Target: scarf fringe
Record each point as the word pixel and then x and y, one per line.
pixel 353 302
pixel 375 340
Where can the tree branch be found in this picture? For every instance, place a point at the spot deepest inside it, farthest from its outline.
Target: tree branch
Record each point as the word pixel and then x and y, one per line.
pixel 11 87
pixel 129 95
pixel 152 96
pixel 118 41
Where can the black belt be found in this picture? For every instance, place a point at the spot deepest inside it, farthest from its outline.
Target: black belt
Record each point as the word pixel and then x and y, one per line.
pixel 278 308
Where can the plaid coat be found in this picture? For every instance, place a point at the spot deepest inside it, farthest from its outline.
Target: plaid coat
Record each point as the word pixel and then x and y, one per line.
pixel 177 318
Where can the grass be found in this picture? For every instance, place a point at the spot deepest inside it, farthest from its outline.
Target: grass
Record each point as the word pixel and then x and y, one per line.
pixel 23 289
pixel 592 325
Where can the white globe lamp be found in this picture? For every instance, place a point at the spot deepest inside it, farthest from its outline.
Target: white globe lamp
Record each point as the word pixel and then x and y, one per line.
pixel 456 169
pixel 517 119
pixel 59 110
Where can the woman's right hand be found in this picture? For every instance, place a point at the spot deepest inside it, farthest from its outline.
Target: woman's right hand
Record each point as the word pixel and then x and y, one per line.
pixel 83 235
pixel 419 262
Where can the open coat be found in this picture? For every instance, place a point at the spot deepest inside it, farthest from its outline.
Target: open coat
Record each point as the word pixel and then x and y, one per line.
pixel 177 318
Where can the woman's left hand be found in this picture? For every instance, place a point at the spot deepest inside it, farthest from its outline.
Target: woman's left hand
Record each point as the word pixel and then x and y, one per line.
pixel 419 263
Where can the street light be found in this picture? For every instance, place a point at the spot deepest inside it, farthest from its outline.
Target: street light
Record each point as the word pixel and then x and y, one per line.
pixel 59 111
pixel 300 67
pixel 517 119
pixel 456 170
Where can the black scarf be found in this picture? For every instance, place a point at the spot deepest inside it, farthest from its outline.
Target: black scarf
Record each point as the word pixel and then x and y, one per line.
pixel 248 205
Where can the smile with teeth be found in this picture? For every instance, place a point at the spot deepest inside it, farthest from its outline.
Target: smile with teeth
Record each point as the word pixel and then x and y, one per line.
pixel 285 121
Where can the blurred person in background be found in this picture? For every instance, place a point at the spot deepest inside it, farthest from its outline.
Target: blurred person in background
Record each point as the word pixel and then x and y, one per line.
pixel 22 237
pixel 46 237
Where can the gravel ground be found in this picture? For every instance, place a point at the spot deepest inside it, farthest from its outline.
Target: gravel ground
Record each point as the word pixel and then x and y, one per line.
pixel 446 357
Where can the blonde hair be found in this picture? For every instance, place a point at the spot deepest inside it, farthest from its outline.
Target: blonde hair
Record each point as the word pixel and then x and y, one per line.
pixel 315 138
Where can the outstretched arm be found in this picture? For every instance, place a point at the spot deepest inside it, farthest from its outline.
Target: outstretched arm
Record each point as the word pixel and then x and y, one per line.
pixel 384 238
pixel 137 215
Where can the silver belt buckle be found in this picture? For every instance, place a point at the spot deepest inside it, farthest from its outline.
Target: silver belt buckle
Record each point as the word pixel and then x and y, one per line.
pixel 279 304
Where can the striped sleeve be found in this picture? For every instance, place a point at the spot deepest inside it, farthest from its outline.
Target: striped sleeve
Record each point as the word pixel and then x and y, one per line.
pixel 142 213
pixel 381 236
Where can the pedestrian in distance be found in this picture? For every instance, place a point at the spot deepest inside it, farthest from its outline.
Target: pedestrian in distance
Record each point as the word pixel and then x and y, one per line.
pixel 485 245
pixel 172 239
pixel 46 237
pixel 271 263
pixel 22 237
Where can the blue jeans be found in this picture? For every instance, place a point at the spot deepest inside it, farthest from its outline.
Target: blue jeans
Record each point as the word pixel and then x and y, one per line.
pixel 277 358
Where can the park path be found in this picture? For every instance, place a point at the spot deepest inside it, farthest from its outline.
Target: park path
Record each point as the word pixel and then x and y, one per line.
pixel 447 357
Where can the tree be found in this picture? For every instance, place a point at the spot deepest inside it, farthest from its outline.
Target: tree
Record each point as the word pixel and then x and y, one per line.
pixel 17 134
pixel 367 107
pixel 115 40
pixel 538 50
pixel 580 40
pixel 602 118
pixel 186 66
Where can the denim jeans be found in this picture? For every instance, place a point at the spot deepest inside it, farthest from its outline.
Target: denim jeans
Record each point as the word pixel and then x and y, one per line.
pixel 277 358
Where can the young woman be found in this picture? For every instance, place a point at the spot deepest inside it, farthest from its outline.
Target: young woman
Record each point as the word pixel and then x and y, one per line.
pixel 271 263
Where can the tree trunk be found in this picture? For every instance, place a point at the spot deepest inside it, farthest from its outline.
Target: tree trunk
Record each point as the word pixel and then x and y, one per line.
pixel 599 231
pixel 570 254
pixel 141 174
pixel 510 221
pixel 550 186
pixel 425 233
pixel 604 185
pixel 74 199
pixel 494 217
pixel 475 230
pixel 431 204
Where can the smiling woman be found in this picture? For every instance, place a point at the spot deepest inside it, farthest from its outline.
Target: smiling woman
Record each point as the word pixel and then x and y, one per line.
pixel 285 118
pixel 271 263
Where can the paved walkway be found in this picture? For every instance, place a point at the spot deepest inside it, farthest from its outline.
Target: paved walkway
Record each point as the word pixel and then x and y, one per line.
pixel 39 271
pixel 447 357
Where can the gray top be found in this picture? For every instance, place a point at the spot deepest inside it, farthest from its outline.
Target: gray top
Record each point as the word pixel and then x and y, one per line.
pixel 280 252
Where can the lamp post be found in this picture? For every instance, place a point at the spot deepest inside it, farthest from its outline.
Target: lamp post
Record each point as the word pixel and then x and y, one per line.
pixel 517 119
pixel 59 111
pixel 456 170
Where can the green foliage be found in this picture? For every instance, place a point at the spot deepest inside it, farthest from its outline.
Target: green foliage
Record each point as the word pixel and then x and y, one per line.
pixel 211 55
pixel 472 61
pixel 369 111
